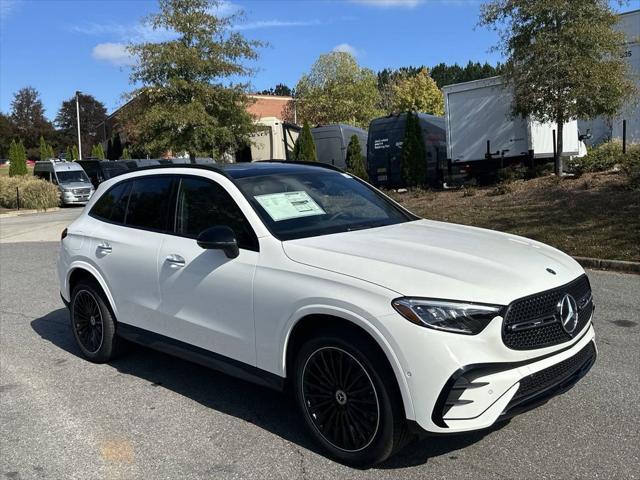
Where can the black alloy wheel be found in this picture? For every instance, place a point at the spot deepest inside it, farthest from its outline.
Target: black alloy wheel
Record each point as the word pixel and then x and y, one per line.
pixel 87 321
pixel 341 399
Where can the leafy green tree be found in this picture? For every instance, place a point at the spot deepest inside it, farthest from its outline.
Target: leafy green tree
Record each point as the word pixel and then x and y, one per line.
pixel 305 148
pixel 7 132
pixel 417 93
pixel 280 90
pixel 356 163
pixel 563 59
pixel 338 90
pixel 97 151
pixel 18 159
pixel 27 116
pixel 187 100
pixel 414 165
pixel 92 114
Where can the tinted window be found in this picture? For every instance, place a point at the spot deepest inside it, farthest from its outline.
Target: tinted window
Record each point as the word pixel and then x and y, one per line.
pixel 149 202
pixel 43 175
pixel 203 204
pixel 69 176
pixel 113 204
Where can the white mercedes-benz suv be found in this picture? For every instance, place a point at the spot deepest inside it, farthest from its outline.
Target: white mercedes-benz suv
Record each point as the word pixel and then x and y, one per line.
pixel 382 324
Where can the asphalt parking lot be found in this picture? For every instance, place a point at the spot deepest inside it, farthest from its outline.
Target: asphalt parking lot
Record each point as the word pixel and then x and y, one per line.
pixel 148 415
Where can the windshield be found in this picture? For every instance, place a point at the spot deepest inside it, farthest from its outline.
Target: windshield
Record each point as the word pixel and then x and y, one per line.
pixel 299 205
pixel 70 176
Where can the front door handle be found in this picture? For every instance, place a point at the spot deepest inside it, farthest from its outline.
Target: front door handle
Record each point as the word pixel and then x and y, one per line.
pixel 104 248
pixel 175 260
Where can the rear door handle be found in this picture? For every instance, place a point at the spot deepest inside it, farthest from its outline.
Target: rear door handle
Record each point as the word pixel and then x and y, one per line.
pixel 175 260
pixel 104 247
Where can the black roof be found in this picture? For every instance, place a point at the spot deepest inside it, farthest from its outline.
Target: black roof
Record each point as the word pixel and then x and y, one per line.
pixel 251 169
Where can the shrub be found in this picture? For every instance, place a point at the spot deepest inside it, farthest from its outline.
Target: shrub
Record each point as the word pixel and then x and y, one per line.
pixel 414 166
pixel 305 148
pixel 34 193
pixel 631 166
pixel 598 159
pixel 502 189
pixel 538 170
pixel 18 159
pixel 356 163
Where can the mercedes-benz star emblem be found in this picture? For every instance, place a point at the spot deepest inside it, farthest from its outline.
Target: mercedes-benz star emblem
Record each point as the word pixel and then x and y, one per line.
pixel 568 312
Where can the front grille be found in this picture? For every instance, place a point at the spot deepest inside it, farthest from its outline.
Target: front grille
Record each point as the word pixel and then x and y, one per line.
pixel 557 374
pixel 81 191
pixel 538 313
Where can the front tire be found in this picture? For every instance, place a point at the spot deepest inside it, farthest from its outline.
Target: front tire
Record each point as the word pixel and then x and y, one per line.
pixel 92 323
pixel 349 399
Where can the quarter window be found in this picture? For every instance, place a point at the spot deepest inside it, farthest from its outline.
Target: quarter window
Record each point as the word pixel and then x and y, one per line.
pixel 202 204
pixel 113 204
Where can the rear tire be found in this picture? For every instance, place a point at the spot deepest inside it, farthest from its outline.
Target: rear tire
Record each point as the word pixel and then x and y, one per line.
pixel 92 322
pixel 349 399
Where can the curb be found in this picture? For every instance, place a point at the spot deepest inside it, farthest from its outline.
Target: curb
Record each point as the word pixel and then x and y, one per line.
pixel 17 213
pixel 613 265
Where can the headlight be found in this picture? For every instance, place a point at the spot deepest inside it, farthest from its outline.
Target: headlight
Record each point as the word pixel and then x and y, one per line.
pixel 458 317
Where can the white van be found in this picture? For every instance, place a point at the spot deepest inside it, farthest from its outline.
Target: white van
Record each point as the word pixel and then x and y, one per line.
pixel 74 184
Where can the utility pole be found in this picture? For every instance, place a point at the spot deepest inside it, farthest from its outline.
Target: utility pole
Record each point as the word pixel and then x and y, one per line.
pixel 78 117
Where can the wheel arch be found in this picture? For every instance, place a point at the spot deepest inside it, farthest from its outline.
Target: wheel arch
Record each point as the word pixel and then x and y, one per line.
pixel 85 271
pixel 312 323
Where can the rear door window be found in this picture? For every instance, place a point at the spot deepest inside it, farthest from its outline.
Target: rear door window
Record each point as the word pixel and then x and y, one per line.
pixel 149 202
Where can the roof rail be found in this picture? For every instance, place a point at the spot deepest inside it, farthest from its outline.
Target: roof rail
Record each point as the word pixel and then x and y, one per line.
pixel 199 166
pixel 301 162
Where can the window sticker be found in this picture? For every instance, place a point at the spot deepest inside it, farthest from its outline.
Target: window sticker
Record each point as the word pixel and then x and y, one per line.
pixel 287 205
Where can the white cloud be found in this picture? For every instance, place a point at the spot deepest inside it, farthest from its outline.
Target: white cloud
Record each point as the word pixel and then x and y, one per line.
pixel 114 53
pixel 275 24
pixel 390 3
pixel 125 33
pixel 346 48
pixel 7 7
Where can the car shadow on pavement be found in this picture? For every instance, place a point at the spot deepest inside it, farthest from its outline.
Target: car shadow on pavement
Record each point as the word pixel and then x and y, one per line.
pixel 258 405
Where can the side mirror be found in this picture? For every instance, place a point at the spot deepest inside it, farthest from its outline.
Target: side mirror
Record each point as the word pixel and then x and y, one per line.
pixel 219 238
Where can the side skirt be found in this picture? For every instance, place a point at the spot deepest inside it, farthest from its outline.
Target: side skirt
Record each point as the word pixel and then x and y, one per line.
pixel 200 356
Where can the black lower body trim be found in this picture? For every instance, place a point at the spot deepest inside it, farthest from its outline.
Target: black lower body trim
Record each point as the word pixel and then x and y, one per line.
pixel 66 303
pixel 200 356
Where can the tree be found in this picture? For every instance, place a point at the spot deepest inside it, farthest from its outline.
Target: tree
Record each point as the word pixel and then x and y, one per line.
pixel 116 147
pixel 125 154
pixel 46 150
pixel 356 163
pixel 414 166
pixel 338 90
pixel 563 59
pixel 7 132
pixel 187 100
pixel 417 93
pixel 305 148
pixel 92 114
pixel 280 90
pixel 68 156
pixel 97 151
pixel 27 115
pixel 18 159
pixel 74 153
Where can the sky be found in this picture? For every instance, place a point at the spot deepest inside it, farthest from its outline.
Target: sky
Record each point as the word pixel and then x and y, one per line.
pixel 60 46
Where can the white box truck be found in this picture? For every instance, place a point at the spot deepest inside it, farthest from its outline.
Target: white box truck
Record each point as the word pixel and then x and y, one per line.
pixel 272 140
pixel 483 135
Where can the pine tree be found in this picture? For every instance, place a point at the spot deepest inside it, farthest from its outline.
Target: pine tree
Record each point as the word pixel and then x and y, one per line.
pixel 100 151
pixel 305 148
pixel 110 150
pixel 18 159
pixel 125 154
pixel 74 153
pixel 68 155
pixel 356 163
pixel 44 149
pixel 414 166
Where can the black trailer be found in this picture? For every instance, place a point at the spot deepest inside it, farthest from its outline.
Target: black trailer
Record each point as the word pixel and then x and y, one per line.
pixel 384 150
pixel 332 141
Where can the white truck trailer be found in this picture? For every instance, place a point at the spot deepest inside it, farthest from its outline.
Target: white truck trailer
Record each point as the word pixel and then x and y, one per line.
pixel 483 135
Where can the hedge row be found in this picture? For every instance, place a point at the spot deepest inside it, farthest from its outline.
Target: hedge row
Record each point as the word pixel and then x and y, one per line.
pixel 34 193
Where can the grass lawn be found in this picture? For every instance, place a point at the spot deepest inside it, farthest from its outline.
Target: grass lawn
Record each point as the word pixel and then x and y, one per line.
pixel 595 215
pixel 4 171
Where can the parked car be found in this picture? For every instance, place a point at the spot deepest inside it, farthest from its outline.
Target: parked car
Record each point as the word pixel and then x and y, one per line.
pixel 101 170
pixel 74 184
pixel 385 325
pixel 331 143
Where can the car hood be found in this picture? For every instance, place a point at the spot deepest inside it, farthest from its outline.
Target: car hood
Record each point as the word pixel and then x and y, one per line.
pixel 425 258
